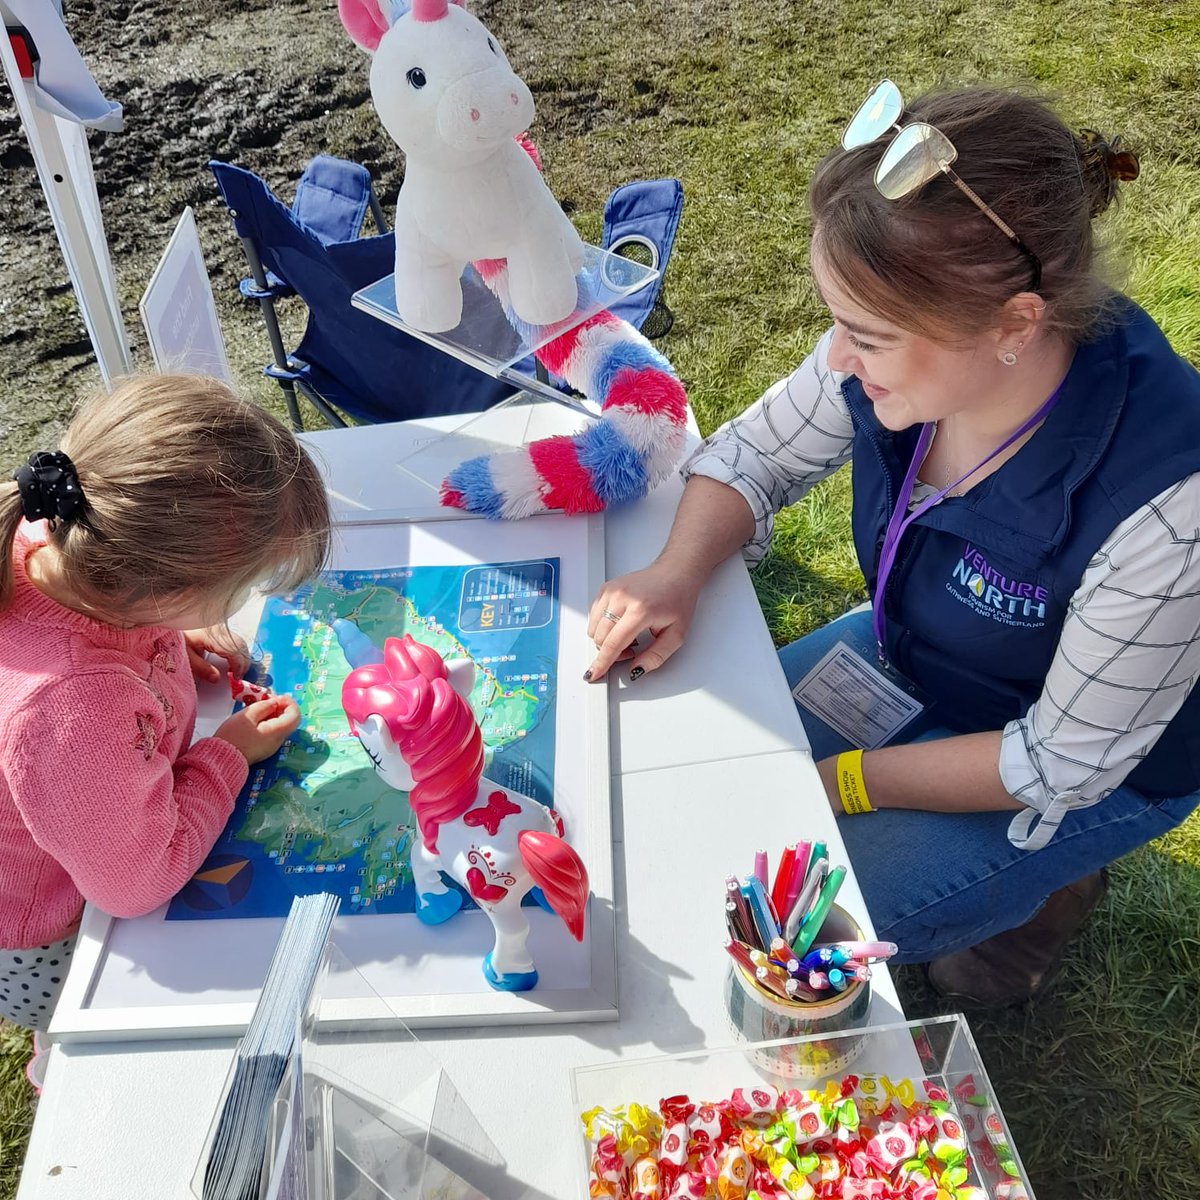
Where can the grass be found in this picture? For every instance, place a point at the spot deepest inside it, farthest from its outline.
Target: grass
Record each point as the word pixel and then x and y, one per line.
pixel 1101 1083
pixel 15 1111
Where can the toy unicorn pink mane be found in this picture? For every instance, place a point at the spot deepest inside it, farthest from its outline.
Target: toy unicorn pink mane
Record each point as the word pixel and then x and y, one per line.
pixel 408 709
pixel 432 725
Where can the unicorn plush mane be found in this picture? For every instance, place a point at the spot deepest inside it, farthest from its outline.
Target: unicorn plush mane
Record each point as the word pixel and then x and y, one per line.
pixel 432 725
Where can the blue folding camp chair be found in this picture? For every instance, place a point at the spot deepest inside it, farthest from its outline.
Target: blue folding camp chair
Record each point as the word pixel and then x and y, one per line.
pixel 349 364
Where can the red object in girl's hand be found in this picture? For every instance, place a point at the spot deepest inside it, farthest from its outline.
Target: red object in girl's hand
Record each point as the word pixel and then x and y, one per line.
pixel 247 692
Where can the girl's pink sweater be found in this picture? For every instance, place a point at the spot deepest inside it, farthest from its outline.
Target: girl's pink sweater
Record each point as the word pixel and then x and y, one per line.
pixel 101 796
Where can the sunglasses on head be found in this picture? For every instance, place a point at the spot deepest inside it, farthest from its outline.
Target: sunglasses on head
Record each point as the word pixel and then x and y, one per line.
pixel 916 154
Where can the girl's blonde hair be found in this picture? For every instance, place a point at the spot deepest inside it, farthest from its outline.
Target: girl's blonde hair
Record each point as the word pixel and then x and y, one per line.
pixel 187 489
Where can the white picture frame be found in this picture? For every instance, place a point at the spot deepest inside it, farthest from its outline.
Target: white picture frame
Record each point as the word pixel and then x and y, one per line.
pixel 150 978
pixel 178 311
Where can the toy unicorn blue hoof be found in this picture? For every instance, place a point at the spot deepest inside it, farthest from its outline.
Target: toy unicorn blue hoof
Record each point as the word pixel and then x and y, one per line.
pixel 435 907
pixel 539 898
pixel 515 981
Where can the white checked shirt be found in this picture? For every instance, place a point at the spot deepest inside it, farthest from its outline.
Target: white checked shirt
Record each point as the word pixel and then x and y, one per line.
pixel 1129 653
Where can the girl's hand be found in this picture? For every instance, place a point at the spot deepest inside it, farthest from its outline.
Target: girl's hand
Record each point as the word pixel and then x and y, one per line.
pixel 659 598
pixel 261 728
pixel 221 642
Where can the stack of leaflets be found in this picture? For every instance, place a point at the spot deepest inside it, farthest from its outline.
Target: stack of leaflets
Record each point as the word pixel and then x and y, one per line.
pixel 245 1137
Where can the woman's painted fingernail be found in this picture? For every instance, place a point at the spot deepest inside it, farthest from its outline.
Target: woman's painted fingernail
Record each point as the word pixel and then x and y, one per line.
pixel 636 673
pixel 587 675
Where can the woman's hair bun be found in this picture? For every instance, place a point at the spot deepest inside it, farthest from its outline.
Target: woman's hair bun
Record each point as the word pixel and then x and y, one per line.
pixel 1105 163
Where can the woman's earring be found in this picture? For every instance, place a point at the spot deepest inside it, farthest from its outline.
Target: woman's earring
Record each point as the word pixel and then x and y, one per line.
pixel 1009 357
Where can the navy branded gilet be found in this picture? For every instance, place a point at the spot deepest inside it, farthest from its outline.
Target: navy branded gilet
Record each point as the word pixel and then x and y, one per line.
pixel 976 601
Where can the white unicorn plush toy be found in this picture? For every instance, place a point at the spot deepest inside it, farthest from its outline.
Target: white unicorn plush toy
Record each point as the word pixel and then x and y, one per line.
pixel 445 92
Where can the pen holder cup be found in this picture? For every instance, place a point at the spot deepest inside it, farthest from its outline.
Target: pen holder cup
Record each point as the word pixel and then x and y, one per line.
pixel 758 1016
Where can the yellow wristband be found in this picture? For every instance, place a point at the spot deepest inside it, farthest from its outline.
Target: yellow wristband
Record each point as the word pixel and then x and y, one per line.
pixel 851 787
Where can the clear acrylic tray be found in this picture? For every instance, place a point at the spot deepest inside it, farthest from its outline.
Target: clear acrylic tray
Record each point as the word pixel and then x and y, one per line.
pixel 890 1060
pixel 329 1137
pixel 485 338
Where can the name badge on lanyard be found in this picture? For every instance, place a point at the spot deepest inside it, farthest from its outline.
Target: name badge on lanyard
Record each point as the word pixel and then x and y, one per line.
pixel 869 703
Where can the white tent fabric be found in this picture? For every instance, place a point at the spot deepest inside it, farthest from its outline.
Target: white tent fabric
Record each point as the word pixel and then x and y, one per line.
pixel 55 107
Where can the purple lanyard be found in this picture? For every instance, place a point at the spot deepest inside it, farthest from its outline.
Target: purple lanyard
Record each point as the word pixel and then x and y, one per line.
pixel 901 518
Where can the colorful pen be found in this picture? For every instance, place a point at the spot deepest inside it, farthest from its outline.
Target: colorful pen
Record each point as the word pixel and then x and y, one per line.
pixel 819 851
pixel 826 956
pixel 733 895
pixel 733 923
pixel 808 931
pixel 755 897
pixel 783 879
pixel 807 898
pixel 760 866
pixel 865 950
pixel 781 953
pixel 740 953
pixel 799 870
pixel 772 983
pixel 764 901
pixel 837 980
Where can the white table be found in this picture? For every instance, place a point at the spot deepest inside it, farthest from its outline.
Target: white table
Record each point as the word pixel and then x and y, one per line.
pixel 709 762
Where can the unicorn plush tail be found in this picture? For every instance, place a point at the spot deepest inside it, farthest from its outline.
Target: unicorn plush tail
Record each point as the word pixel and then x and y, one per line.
pixel 558 871
pixel 632 447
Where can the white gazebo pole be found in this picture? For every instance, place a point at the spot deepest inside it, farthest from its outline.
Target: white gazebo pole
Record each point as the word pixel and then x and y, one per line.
pixel 64 166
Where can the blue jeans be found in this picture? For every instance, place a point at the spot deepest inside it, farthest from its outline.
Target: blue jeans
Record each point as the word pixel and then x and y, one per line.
pixel 939 882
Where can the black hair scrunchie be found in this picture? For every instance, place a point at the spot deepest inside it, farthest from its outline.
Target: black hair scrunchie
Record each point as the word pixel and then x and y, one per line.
pixel 49 487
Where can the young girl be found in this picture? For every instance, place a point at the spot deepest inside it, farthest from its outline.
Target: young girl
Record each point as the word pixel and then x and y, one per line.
pixel 1025 447
pixel 121 556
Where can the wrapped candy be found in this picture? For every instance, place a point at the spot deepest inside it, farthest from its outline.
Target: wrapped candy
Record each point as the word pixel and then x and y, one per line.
pixel 607 1165
pixel 793 1183
pixel 644 1178
pixel 1014 1190
pixel 706 1120
pixel 674 1146
pixel 891 1146
pixel 802 1145
pixel 755 1106
pixel 733 1174
pixel 808 1121
pixel 863 1189
pixel 246 692
pixel 947 1140
pixel 827 1169
pixel 689 1186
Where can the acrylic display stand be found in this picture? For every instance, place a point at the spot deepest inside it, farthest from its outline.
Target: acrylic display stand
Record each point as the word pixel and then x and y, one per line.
pixel 940 1050
pixel 331 1139
pixel 487 340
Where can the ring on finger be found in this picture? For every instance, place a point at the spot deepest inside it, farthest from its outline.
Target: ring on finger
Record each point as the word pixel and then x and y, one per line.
pixel 609 615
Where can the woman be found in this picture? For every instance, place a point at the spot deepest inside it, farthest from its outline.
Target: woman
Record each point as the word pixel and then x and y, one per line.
pixel 1025 448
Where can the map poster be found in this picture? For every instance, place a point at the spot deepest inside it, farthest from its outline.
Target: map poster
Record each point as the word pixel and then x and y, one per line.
pixel 316 817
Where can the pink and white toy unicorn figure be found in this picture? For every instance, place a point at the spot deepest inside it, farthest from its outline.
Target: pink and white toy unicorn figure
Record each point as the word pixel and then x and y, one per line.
pixel 447 95
pixel 411 715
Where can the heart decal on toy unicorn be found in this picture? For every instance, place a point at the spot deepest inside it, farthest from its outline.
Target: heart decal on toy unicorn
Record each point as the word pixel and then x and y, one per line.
pixel 446 93
pixel 411 715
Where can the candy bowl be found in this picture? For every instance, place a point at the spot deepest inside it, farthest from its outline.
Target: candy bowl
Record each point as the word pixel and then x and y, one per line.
pixel 917 1120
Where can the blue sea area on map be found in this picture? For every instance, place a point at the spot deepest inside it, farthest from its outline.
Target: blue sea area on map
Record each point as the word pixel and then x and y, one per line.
pixel 316 817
